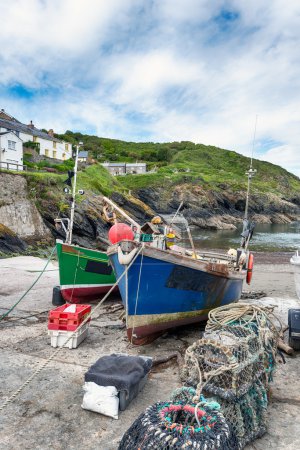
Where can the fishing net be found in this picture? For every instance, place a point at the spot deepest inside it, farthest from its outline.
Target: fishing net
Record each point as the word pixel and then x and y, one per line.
pixel 234 364
pixel 246 416
pixel 180 425
pixel 232 367
pixel 259 320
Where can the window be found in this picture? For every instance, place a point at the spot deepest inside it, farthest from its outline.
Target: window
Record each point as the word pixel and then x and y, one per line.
pixel 54 153
pixel 54 144
pixel 64 156
pixel 67 147
pixel 46 152
pixel 11 145
pixel 34 138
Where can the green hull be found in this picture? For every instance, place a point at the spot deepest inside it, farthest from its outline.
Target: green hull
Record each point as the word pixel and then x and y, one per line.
pixel 84 274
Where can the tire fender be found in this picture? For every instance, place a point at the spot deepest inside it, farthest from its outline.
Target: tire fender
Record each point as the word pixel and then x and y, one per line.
pixel 126 259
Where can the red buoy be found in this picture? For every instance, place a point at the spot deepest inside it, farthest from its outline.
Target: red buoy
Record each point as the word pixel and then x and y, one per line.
pixel 120 231
pixel 250 268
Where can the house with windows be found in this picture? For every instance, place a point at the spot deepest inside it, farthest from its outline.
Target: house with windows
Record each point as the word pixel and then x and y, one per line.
pixel 83 156
pixel 11 151
pixel 44 142
pixel 125 168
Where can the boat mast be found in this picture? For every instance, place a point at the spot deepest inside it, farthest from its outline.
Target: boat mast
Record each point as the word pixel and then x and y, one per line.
pixel 250 173
pixel 247 226
pixel 70 228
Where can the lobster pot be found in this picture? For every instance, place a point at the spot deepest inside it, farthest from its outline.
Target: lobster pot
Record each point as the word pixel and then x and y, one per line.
pixel 173 425
pixel 226 365
pixel 259 321
pixel 246 416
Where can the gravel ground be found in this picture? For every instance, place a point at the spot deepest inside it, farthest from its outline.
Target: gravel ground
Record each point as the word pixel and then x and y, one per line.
pixel 48 415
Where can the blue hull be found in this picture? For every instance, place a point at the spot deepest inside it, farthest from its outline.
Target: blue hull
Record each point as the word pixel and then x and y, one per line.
pixel 158 295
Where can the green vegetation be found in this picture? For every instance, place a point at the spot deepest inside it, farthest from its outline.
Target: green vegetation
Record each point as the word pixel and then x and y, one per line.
pixel 63 167
pixel 94 179
pixel 175 163
pixel 97 179
pixel 186 162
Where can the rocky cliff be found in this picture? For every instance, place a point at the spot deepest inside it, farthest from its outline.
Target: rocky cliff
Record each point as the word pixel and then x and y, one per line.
pixel 19 217
pixel 222 208
pixel 29 205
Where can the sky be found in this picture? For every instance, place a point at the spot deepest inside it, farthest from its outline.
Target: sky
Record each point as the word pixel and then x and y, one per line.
pixel 158 70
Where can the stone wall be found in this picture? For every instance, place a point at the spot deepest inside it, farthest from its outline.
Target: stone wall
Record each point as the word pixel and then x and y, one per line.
pixel 17 211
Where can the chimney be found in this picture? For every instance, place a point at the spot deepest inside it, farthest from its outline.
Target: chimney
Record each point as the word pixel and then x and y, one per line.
pixel 31 125
pixel 51 133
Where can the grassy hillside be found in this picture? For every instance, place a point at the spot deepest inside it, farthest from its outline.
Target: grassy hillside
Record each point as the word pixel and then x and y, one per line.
pixel 215 168
pixel 186 162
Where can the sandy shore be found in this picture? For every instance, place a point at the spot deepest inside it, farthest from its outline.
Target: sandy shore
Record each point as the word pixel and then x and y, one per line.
pixel 47 414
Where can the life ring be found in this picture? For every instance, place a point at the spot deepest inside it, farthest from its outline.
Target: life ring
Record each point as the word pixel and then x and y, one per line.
pixel 250 268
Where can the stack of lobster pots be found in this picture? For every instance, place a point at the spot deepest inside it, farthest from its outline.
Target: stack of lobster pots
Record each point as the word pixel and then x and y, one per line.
pixel 233 365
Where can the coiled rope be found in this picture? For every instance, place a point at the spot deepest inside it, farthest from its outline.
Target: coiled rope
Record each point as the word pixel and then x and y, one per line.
pixel 29 289
pixel 45 363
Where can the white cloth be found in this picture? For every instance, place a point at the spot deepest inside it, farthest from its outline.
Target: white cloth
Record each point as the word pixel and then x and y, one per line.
pixel 101 399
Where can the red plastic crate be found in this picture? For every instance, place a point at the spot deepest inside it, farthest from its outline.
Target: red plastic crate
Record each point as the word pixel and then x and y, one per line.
pixel 59 320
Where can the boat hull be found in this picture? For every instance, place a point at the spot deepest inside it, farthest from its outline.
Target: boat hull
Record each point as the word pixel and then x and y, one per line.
pixel 162 291
pixel 84 274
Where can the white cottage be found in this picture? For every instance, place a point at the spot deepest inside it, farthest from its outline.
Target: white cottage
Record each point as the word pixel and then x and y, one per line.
pixel 45 143
pixel 11 151
pixel 121 168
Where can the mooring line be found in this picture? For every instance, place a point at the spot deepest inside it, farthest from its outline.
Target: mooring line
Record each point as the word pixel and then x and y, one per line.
pixel 45 363
pixel 29 289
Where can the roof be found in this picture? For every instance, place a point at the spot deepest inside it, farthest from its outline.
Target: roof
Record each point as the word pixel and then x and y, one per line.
pixel 8 132
pixel 109 164
pixel 136 164
pixel 83 154
pixel 121 164
pixel 4 115
pixel 18 126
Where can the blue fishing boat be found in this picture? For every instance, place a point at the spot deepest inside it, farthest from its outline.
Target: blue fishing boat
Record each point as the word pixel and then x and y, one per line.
pixel 164 288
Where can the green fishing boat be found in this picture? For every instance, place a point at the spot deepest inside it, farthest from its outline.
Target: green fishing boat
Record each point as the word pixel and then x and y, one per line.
pixel 84 274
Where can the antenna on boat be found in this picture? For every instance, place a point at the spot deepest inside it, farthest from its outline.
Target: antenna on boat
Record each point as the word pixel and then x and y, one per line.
pixel 248 227
pixel 250 172
pixel 70 227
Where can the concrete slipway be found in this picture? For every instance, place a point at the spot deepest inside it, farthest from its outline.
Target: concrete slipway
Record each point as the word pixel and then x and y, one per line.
pixel 48 414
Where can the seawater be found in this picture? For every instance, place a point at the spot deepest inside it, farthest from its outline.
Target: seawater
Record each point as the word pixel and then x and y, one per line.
pixel 266 237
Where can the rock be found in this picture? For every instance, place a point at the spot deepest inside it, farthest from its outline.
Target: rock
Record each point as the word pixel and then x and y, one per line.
pixel 17 211
pixel 10 242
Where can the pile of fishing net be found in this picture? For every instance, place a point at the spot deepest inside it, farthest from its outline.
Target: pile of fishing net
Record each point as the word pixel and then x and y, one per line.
pixel 233 364
pixel 226 376
pixel 180 424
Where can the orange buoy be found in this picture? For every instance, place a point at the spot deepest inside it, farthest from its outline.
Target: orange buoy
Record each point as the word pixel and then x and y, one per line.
pixel 250 268
pixel 120 231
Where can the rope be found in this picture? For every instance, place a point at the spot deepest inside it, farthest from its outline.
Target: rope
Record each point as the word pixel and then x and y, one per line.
pixel 45 363
pixel 29 289
pixel 227 314
pixel 137 293
pixel 16 319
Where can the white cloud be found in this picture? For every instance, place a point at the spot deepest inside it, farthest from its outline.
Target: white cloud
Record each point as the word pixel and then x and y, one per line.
pixel 162 70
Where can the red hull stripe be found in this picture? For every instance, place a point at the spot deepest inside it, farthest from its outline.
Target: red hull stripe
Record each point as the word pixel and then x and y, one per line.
pixel 83 294
pixel 147 333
